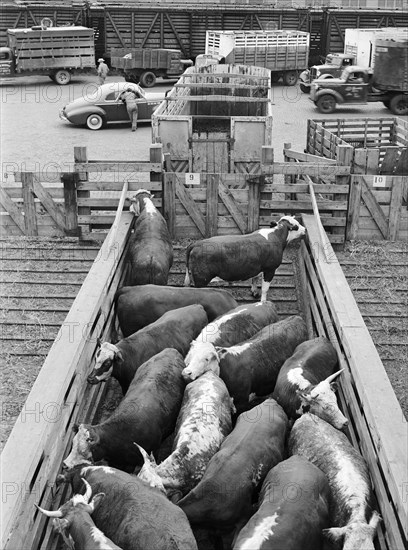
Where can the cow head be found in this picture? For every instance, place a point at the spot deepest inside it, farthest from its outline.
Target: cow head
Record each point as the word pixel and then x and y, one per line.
pixel 106 357
pixel 295 230
pixel 356 534
pixel 148 471
pixel 138 202
pixel 321 401
pixel 202 357
pixel 72 510
pixel 85 439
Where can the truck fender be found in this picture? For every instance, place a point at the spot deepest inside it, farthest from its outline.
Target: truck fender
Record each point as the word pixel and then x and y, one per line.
pixel 329 91
pixel 304 76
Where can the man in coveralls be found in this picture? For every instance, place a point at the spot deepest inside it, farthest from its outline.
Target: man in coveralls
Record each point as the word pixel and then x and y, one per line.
pixel 129 98
pixel 103 70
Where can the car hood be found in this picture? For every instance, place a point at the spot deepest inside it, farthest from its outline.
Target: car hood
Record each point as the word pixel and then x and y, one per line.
pixel 327 82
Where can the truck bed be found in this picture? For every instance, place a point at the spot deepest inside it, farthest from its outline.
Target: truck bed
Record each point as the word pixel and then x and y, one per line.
pixel 145 58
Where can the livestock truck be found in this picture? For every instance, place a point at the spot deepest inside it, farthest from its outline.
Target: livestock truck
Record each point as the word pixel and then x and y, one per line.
pixel 284 53
pixel 359 49
pixel 387 82
pixel 56 52
pixel 144 65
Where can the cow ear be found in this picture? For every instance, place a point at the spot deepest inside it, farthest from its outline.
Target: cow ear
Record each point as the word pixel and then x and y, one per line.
pixel 220 351
pixel 97 499
pixel 118 356
pixel 99 342
pixel 273 224
pixel 334 533
pixel 304 396
pixel 75 428
pixel 92 436
pixel 334 386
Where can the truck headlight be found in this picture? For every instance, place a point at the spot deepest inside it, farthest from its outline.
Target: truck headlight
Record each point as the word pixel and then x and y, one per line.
pixel 318 73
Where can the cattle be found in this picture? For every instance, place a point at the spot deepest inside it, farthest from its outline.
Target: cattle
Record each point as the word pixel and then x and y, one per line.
pixel 133 514
pixel 352 513
pixel 138 306
pixel 231 328
pixel 240 257
pixel 252 367
pixel 146 415
pixel 150 252
pixel 175 329
pixel 305 382
pixel 73 521
pixel 293 509
pixel 203 423
pixel 223 497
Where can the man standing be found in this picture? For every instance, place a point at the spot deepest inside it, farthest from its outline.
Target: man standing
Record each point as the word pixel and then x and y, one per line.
pixel 129 98
pixel 102 71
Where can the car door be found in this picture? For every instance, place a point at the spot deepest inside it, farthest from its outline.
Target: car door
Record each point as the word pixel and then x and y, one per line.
pixel 355 90
pixel 142 113
pixel 112 107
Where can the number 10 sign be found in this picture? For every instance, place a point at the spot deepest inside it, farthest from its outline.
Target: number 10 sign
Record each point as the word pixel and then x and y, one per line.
pixel 379 181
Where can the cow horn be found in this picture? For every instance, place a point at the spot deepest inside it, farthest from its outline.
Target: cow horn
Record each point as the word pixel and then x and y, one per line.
pixel 88 492
pixel 333 376
pixel 49 513
pixel 146 458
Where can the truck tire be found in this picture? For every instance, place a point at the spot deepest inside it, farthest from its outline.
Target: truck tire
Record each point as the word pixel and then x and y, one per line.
pixel 61 77
pixel 275 77
pixel 305 88
pixel 147 79
pixel 399 105
pixel 326 104
pixel 95 122
pixel 290 78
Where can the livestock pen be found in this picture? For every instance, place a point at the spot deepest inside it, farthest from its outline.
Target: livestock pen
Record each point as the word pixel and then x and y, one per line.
pixel 60 397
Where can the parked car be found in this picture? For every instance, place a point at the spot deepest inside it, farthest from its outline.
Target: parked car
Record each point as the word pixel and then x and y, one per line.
pixel 101 107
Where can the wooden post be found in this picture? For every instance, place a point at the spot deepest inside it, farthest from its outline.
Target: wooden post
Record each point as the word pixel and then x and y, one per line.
pixel 156 155
pixel 344 157
pixel 353 213
pixel 211 221
pixel 71 206
pixel 81 155
pixel 395 208
pixel 254 201
pixel 169 202
pixel 267 158
pixel 30 215
pixel 288 178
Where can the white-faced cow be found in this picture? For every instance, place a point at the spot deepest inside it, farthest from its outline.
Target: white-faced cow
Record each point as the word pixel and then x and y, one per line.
pixel 150 251
pixel 353 516
pixel 175 329
pixel 240 257
pixel 146 415
pixel 138 306
pixel 223 498
pixel 229 329
pixel 133 514
pixel 252 367
pixel 74 523
pixel 203 423
pixel 292 511
pixel 306 382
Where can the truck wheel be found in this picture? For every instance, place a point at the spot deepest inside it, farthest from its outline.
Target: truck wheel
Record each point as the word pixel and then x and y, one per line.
pixel 386 103
pixel 305 88
pixel 62 77
pixel 147 79
pixel 290 78
pixel 95 122
pixel 326 104
pixel 275 77
pixel 399 105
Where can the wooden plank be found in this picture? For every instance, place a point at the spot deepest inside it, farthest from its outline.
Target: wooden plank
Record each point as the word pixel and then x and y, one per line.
pixel 395 208
pixel 353 214
pixel 169 197
pixel 305 168
pixel 228 199
pixel 13 210
pixel 47 201
pixel 402 166
pixel 81 158
pixel 211 220
pixel 190 206
pixel 117 167
pixel 388 163
pixel 30 216
pixel 254 201
pixel 298 206
pixel 115 225
pixel 70 200
pixel 218 99
pixel 307 157
pixel 327 189
pixel 373 206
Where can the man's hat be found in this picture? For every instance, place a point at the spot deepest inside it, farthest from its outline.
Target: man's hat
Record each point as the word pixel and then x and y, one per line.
pixel 100 59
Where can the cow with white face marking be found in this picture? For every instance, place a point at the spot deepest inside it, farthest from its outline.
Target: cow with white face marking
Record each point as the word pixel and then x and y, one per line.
pixel 240 257
pixel 353 516
pixel 133 514
pixel 203 423
pixel 293 509
pixel 150 251
pixel 175 329
pixel 306 382
pixel 74 523
pixel 229 329
pixel 252 367
pixel 223 497
pixel 146 415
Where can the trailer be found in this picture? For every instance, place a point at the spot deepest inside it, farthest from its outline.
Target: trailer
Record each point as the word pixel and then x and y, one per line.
pixel 216 119
pixel 284 53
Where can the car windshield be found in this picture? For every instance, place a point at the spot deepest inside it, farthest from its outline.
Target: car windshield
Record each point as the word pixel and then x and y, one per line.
pixel 110 91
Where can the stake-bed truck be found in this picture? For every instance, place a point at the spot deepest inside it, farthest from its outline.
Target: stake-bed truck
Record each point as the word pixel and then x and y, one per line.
pixel 284 53
pixel 57 52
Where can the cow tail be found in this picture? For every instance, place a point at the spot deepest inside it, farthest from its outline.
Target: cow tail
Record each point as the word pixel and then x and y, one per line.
pixel 115 333
pixel 189 278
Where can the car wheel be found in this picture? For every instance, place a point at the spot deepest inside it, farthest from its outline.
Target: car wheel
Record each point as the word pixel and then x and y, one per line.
pixel 62 77
pixel 399 105
pixel 290 78
pixel 326 104
pixel 95 122
pixel 305 88
pixel 147 79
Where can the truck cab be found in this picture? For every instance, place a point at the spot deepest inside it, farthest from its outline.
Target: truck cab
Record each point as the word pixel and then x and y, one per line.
pixel 332 68
pixel 7 67
pixel 352 87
